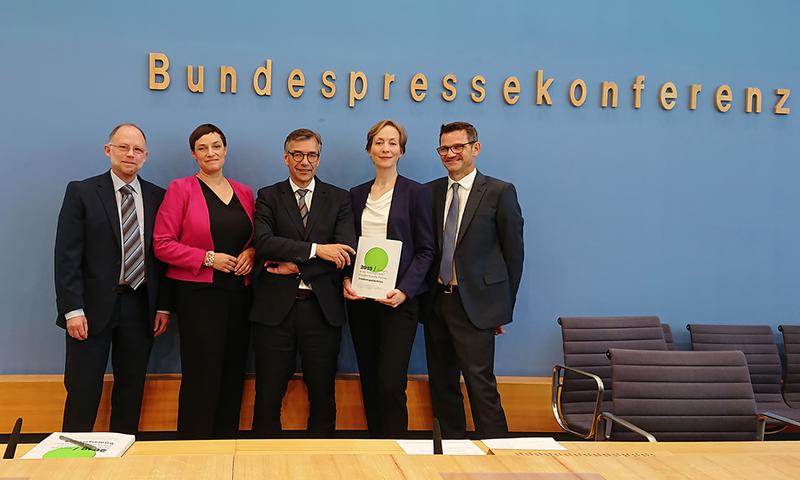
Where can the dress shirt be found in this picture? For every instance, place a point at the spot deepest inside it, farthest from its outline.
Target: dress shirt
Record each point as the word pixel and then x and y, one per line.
pixel 309 196
pixel 375 217
pixel 464 187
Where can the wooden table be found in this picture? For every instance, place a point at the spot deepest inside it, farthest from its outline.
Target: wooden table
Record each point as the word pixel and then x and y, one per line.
pixel 354 459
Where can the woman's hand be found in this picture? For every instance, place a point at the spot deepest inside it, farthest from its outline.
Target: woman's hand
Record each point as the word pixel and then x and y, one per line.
pixel 394 297
pixel 224 262
pixel 244 262
pixel 349 293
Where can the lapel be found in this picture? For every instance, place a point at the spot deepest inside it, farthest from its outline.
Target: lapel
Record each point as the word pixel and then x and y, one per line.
pixel 474 199
pixel 395 208
pixel 289 200
pixel 105 190
pixel 319 207
pixel 360 195
pixel 150 210
pixel 439 197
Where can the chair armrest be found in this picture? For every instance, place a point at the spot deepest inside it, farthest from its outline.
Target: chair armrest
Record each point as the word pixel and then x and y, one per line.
pixel 605 416
pixel 778 418
pixel 556 404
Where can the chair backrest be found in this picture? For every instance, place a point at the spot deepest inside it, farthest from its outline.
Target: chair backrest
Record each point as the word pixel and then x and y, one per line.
pixel 791 379
pixel 684 396
pixel 757 342
pixel 668 336
pixel 586 341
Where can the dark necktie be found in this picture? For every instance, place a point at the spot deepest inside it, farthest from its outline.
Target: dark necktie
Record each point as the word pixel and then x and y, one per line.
pixel 449 239
pixel 132 248
pixel 301 204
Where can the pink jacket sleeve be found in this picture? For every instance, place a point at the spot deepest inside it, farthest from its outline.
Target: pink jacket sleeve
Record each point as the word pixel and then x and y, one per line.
pixel 167 231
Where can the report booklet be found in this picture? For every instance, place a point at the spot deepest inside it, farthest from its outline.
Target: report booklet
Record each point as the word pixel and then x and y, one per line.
pixel 377 262
pixel 82 444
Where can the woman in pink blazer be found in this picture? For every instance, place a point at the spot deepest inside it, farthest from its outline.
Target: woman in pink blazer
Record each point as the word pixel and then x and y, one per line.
pixel 204 233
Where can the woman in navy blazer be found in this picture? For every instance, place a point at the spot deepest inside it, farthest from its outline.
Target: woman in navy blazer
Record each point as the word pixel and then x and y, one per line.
pixel 393 207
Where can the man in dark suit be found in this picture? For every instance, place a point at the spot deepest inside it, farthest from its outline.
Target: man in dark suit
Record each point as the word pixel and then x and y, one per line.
pixel 474 282
pixel 109 285
pixel 304 236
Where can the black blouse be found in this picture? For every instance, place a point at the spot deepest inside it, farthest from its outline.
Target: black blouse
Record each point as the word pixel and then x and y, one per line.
pixel 231 229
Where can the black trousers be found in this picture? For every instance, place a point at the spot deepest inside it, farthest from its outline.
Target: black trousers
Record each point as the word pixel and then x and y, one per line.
pixel 306 331
pixel 129 337
pixel 383 337
pixel 455 346
pixel 214 339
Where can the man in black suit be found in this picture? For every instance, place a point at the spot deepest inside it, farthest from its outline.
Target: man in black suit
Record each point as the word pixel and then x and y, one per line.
pixel 109 285
pixel 304 236
pixel 474 283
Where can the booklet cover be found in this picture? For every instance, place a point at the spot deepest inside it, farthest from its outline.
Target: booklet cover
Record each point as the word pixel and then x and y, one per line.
pixel 107 444
pixel 377 262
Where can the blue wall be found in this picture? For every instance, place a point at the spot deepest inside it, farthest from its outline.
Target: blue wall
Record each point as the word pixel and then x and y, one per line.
pixel 690 215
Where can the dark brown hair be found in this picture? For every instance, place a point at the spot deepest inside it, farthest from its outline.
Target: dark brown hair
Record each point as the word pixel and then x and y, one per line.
pixel 204 130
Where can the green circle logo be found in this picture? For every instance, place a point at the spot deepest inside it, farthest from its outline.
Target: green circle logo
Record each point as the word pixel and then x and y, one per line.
pixel 69 452
pixel 376 259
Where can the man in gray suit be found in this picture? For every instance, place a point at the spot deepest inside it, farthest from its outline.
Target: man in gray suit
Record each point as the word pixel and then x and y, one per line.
pixel 474 283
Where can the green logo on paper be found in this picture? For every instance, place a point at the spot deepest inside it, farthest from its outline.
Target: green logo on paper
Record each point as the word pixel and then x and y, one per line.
pixel 69 452
pixel 376 260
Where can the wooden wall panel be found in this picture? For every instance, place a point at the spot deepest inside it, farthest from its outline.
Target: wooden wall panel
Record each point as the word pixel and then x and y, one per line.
pixel 39 399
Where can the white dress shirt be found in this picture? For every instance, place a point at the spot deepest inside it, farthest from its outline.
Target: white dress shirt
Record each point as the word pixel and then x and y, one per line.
pixel 464 187
pixel 309 196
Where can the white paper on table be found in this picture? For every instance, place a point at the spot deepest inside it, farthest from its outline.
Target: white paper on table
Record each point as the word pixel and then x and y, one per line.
pixel 377 263
pixel 112 444
pixel 449 447
pixel 525 443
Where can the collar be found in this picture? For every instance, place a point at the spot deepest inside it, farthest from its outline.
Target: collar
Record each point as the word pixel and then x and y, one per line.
pixel 310 186
pixel 465 183
pixel 119 183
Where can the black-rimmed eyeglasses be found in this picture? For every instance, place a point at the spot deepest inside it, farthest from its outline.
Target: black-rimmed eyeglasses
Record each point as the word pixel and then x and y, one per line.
pixel 456 149
pixel 313 157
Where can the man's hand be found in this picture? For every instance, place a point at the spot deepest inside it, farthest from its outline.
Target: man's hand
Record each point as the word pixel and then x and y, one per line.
pixel 161 323
pixel 499 330
pixel 349 293
pixel 394 298
pixel 282 268
pixel 337 253
pixel 78 327
pixel 224 262
pixel 244 262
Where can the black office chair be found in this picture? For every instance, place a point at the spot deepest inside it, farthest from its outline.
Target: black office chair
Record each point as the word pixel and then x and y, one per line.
pixel 757 342
pixel 581 387
pixel 682 396
pixel 791 377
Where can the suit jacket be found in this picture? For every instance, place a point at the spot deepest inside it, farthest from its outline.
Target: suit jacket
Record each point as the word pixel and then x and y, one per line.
pixel 88 252
pixel 280 236
pixel 183 229
pixel 489 249
pixel 411 222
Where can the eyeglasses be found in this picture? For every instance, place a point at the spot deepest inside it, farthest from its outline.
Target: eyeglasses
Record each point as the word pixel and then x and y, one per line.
pixel 124 149
pixel 456 149
pixel 313 157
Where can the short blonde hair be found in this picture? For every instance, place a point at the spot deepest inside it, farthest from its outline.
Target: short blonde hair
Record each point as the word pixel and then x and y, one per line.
pixel 387 123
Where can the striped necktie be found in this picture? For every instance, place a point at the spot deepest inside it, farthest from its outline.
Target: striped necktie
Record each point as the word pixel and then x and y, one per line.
pixel 301 204
pixel 132 248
